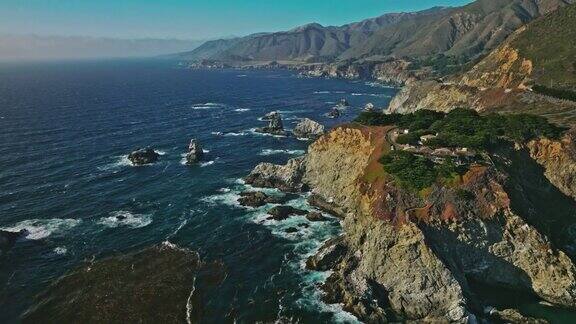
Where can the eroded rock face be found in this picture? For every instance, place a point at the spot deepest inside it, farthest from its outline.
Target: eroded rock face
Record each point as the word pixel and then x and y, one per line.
pixel 433 242
pixel 559 161
pixel 307 128
pixel 143 156
pixel 284 177
pixel 195 152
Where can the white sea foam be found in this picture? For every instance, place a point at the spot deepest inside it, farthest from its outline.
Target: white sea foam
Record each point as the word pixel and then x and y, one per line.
pixel 217 133
pixel 265 152
pixel 208 105
pixel 205 151
pixel 329 92
pixel 126 218
pixel 42 228
pixel 380 95
pixel 205 164
pixel 380 85
pixel 242 109
pixel 61 250
pixel 229 198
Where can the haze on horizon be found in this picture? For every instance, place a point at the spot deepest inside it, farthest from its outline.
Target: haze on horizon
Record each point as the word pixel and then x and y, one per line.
pixel 54 29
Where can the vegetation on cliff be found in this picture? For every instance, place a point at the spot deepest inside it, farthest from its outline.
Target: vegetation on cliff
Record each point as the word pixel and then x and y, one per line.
pixel 464 127
pixel 417 172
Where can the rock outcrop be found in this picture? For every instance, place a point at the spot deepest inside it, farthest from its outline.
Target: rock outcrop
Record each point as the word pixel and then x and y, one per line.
pixel 258 199
pixel 307 128
pixel 195 152
pixel 275 125
pixel 284 177
pixel 143 156
pixel 283 212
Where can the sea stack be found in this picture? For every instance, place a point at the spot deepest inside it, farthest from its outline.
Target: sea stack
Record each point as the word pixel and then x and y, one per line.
pixel 143 156
pixel 307 128
pixel 195 152
pixel 275 125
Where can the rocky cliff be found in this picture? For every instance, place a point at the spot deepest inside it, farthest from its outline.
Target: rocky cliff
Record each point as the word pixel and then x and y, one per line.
pixel 409 255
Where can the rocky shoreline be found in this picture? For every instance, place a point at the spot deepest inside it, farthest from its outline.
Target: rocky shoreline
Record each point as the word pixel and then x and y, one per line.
pixel 407 256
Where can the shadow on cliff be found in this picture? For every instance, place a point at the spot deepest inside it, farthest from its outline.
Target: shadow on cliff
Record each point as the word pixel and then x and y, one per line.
pixel 473 265
pixel 536 200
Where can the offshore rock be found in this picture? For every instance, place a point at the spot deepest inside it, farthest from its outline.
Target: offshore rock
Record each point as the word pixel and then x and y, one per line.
pixel 275 125
pixel 284 177
pixel 315 216
pixel 143 156
pixel 334 113
pixel 271 115
pixel 307 128
pixel 258 199
pixel 195 152
pixel 283 212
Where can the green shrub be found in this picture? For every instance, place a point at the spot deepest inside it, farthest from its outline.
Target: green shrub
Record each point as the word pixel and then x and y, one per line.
pixel 416 172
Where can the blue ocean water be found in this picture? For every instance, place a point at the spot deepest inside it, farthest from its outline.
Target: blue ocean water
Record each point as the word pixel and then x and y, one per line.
pixel 66 130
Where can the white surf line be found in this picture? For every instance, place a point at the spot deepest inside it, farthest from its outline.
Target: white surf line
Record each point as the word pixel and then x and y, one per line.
pixel 188 304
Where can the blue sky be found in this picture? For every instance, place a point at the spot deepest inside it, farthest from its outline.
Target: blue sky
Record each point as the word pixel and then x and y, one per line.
pixel 191 19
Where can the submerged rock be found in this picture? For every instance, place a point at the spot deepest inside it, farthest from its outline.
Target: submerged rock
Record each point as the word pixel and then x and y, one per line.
pixel 275 125
pixel 161 284
pixel 283 212
pixel 8 239
pixel 143 156
pixel 307 128
pixel 195 152
pixel 314 216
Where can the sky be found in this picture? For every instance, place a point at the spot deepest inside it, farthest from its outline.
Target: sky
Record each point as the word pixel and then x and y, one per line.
pixel 188 19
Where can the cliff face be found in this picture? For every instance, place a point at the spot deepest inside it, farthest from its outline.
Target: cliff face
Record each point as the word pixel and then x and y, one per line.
pixel 392 71
pixel 411 254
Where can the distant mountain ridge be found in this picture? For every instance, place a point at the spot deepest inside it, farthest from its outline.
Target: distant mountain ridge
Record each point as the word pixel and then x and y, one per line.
pixel 458 31
pixel 34 47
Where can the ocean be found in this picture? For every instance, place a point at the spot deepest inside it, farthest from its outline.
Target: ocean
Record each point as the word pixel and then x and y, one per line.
pixel 66 129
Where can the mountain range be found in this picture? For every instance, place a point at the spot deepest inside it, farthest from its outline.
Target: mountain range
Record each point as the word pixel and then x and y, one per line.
pixel 466 31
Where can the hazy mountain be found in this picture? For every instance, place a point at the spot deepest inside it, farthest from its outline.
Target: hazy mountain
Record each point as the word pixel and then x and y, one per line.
pixel 469 30
pixel 309 42
pixel 32 47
